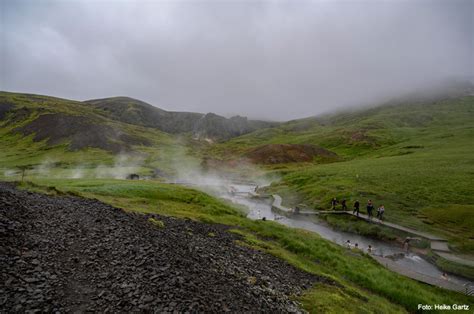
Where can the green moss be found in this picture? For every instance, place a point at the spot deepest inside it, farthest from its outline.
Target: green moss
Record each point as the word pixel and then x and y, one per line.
pixel 157 223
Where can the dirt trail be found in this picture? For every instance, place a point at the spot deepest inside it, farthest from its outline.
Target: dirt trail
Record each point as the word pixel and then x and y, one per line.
pixel 74 254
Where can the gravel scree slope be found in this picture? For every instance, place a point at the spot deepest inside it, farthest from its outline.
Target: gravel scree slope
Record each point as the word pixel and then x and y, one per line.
pixel 73 254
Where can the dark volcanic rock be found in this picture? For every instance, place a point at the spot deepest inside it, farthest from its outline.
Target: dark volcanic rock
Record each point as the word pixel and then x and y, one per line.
pixel 73 254
pixel 5 107
pixel 82 131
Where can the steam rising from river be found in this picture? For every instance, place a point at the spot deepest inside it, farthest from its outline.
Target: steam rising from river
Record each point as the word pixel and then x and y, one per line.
pixel 122 166
pixel 209 175
pixel 217 177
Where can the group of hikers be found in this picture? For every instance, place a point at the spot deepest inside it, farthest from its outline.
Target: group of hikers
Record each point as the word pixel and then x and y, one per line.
pixel 370 208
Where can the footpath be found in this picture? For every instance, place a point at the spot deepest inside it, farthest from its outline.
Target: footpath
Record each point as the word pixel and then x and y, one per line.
pixel 438 245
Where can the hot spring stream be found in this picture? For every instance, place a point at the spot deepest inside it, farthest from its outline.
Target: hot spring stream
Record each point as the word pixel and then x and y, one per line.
pixel 259 208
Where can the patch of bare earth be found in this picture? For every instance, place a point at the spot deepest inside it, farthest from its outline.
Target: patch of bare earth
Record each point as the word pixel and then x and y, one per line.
pixel 287 153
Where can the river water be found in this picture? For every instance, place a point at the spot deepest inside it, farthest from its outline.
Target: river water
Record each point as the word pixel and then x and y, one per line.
pixel 259 208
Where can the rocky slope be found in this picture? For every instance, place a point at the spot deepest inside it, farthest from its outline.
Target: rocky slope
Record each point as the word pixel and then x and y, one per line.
pixel 55 121
pixel 209 125
pixel 72 254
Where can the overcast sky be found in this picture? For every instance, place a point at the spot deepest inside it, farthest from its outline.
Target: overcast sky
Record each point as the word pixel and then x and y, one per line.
pixel 270 59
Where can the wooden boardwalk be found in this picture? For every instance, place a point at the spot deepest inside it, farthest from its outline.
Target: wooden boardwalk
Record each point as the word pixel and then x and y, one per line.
pixel 438 244
pixel 439 282
pixel 456 259
pixel 375 220
pixel 276 205
pixel 401 228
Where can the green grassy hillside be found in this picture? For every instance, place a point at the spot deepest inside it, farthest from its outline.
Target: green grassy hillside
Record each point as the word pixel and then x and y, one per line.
pixel 60 136
pixel 353 277
pixel 355 133
pixel 416 159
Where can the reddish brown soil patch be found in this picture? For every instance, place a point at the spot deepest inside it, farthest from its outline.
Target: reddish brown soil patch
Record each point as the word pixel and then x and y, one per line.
pixel 285 153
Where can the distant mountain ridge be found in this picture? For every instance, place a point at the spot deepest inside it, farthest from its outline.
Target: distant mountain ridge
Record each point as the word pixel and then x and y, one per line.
pixel 125 124
pixel 203 126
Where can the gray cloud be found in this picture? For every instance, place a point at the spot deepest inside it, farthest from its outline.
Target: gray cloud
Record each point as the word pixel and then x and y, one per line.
pixel 274 60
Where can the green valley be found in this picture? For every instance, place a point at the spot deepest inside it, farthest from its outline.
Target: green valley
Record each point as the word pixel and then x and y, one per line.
pixel 416 159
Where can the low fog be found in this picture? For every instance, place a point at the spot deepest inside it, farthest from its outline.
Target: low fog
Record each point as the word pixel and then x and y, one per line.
pixel 181 169
pixel 274 60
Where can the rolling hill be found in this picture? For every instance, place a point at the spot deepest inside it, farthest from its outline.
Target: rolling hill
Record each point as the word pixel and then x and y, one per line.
pixel 208 126
pixel 36 129
pixel 41 132
pixel 415 158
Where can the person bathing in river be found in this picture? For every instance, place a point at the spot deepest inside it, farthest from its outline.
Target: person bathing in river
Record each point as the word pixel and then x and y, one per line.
pixel 380 212
pixel 370 208
pixel 334 203
pixel 296 210
pixel 348 244
pixel 406 244
pixel 369 249
pixel 343 203
pixel 356 208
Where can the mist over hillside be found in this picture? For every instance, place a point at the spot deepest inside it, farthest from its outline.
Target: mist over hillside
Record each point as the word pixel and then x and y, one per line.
pixel 284 156
pixel 268 60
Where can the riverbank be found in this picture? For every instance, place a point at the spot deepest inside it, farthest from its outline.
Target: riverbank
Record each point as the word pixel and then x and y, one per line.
pixel 360 280
pixel 435 250
pixel 395 256
pixel 432 248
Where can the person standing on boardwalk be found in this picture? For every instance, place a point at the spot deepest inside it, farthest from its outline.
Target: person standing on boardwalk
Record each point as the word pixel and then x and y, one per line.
pixel 356 208
pixel 334 203
pixel 343 203
pixel 380 212
pixel 370 208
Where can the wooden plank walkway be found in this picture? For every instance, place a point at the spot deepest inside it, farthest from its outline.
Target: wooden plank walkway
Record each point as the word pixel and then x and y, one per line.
pixel 456 259
pixel 401 228
pixel 322 212
pixel 388 263
pixel 381 222
pixel 276 205
pixel 439 282
pixel 278 200
pixel 438 244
